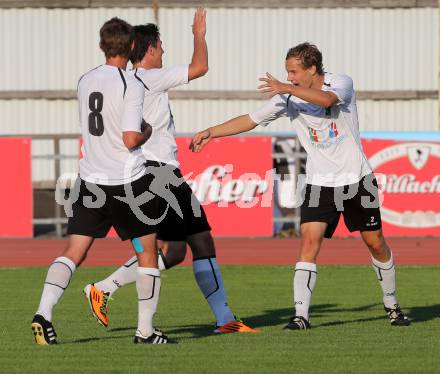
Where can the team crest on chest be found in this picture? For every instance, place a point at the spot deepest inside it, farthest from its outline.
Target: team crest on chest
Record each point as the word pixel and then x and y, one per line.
pixel 326 137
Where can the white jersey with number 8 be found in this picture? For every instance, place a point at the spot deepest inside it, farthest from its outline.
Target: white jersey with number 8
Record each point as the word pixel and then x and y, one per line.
pixel 110 102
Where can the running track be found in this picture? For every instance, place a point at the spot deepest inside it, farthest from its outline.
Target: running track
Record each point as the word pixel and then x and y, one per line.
pixel 113 252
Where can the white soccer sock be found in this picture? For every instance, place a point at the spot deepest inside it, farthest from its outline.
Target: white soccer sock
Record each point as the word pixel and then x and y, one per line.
pixel 126 274
pixel 57 280
pixel 304 282
pixel 148 290
pixel 386 274
pixel 210 281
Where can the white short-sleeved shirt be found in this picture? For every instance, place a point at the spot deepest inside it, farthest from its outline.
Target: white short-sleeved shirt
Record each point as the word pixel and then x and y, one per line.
pixel 110 102
pixel 330 136
pixel 162 145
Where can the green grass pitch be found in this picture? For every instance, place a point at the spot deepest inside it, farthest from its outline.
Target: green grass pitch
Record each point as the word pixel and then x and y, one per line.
pixel 350 331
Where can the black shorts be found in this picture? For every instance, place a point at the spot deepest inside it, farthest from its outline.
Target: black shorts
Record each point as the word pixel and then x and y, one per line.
pixel 358 203
pixel 185 216
pixel 96 219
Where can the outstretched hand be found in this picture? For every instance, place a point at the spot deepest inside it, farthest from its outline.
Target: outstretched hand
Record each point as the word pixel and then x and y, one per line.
pixel 199 140
pixel 273 86
pixel 199 23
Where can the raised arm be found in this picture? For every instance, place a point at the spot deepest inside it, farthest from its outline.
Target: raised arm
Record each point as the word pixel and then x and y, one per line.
pixel 199 63
pixel 311 95
pixel 234 126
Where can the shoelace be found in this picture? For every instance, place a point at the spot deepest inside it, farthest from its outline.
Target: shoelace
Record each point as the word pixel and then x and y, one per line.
pixel 105 299
pixel 395 313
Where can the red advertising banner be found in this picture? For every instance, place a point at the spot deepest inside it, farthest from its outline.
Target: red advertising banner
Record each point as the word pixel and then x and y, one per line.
pixel 231 177
pixel 409 176
pixel 16 188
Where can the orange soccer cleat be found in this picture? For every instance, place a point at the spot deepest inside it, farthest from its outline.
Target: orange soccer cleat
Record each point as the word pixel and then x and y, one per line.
pixel 234 326
pixel 98 302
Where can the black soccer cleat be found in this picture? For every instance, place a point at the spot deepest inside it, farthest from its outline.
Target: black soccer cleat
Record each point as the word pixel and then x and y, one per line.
pixel 157 337
pixel 298 323
pixel 44 333
pixel 396 316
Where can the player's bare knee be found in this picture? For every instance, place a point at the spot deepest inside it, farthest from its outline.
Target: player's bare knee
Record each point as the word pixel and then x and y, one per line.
pixel 309 249
pixel 377 245
pixel 310 240
pixel 201 244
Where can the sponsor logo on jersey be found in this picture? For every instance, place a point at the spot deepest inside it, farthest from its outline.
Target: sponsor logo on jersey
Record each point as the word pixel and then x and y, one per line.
pixel 313 135
pixel 327 137
pixel 333 130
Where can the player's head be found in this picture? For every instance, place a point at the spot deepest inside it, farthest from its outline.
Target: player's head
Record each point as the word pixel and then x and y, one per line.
pixel 116 38
pixel 147 44
pixel 303 64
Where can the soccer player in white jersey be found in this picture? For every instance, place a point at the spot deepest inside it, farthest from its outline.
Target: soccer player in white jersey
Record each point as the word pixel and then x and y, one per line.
pixel 322 109
pixel 110 106
pixel 175 231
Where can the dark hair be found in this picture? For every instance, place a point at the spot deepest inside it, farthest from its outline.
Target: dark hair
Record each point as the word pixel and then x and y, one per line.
pixel 309 55
pixel 116 37
pixel 144 37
